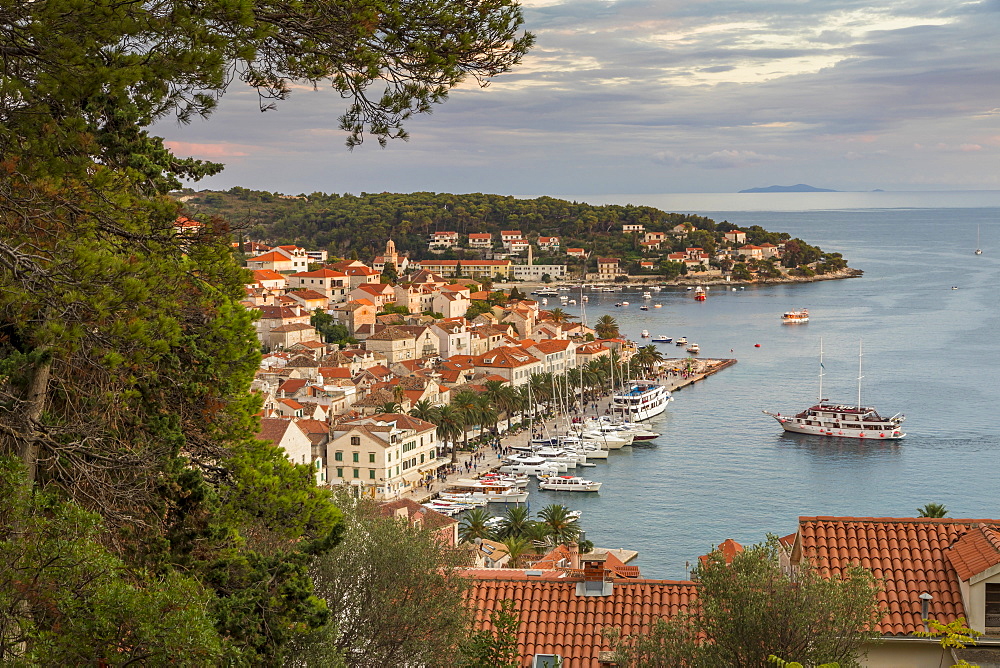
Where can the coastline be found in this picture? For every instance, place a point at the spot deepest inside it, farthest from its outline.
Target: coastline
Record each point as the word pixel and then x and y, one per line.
pixel 687 280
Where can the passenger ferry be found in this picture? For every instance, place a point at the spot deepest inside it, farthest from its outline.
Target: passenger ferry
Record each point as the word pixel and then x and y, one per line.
pixel 842 420
pixel 641 401
pixel 793 317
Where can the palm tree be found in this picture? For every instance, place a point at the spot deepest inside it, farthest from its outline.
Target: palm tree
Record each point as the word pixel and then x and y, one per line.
pixel 501 395
pixel 467 403
pixel 647 357
pixel 474 525
pixel 607 327
pixel 932 510
pixel 559 316
pixel 562 527
pixel 537 533
pixel 515 522
pixel 424 410
pixel 390 407
pixel 488 414
pixel 449 427
pixel 516 548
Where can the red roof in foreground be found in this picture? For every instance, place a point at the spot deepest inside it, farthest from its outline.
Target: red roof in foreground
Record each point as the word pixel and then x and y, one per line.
pixel 554 619
pixel 909 556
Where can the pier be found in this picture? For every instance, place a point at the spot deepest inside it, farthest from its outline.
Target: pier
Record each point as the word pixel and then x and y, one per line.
pixel 674 373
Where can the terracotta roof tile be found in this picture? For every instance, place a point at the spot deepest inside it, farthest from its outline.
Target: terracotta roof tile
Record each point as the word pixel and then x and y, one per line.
pixel 555 620
pixel 975 551
pixel 911 555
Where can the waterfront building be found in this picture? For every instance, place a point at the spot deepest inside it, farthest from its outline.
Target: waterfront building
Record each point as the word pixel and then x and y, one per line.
pixel 383 455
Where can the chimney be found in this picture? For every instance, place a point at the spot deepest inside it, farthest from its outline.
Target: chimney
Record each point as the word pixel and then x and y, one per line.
pixel 574 555
pixel 925 605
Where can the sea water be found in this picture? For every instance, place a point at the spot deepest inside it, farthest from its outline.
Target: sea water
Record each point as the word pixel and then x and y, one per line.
pixel 722 469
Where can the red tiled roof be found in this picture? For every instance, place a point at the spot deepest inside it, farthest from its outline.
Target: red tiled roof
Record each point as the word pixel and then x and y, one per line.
pixel 729 549
pixel 909 556
pixel 555 620
pixel 976 551
pixel 320 273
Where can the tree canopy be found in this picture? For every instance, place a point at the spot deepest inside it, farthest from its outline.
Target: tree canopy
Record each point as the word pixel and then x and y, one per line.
pixel 750 609
pixel 125 356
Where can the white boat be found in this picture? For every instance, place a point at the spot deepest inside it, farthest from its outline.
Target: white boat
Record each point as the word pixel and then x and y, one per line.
pixel 641 401
pixel 567 483
pixel 645 334
pixel 657 305
pixel 607 441
pixel 545 302
pixel 487 491
pixel 794 317
pixel 585 298
pixel 647 295
pixel 842 420
pixel 681 341
pixel 572 302
pixel 622 429
pixel 511 479
pixel 694 349
pixel 979 251
pixel 624 303
pixel 543 468
pixel 662 339
pixel 444 510
pixel 699 294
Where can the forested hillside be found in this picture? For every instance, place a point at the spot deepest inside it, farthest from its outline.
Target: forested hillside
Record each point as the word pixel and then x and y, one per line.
pixel 341 223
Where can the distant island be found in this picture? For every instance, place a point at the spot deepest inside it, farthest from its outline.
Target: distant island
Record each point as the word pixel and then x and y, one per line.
pixel 797 188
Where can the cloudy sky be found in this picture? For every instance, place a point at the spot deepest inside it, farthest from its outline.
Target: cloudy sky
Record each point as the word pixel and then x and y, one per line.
pixel 667 96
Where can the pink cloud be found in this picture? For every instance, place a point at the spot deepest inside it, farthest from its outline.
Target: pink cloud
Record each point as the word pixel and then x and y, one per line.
pixel 210 151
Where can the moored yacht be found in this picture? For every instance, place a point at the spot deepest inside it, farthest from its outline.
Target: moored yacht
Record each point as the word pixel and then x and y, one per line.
pixel 489 491
pixel 566 483
pixel 641 401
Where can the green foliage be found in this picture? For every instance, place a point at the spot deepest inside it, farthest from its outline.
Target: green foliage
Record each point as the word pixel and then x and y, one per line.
pixel 495 647
pixel 932 510
pixel 953 635
pixel 393 593
pixel 66 600
pixel 749 610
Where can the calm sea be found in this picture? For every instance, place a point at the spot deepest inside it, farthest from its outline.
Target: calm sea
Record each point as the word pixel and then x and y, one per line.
pixel 722 469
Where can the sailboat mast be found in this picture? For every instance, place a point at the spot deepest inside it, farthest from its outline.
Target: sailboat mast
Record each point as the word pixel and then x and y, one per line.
pixel 821 371
pixel 860 355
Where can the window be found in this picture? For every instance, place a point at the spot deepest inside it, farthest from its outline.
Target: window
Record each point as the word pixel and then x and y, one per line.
pixel 355 457
pixel 338 456
pixel 371 457
pixel 992 605
pixel 371 474
pixel 355 440
pixel 357 473
pixel 340 472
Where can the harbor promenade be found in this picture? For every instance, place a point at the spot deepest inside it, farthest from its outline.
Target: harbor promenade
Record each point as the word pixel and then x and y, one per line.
pixel 675 374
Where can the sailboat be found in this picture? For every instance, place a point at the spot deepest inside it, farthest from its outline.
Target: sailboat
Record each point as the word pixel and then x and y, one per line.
pixel 842 420
pixel 979 251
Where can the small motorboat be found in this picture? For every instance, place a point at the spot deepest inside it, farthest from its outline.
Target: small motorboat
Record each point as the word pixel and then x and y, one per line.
pixel 572 302
pixel 585 298
pixel 645 334
pixel 643 308
pixel 647 295
pixel 681 341
pixel 694 349
pixel 662 339
pixel 624 303
pixel 756 345
pixel 657 305
pixel 567 483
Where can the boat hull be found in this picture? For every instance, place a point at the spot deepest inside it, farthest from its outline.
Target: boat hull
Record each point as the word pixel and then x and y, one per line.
pixel 792 425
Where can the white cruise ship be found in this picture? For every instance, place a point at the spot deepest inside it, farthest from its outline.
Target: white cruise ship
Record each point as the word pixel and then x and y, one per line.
pixel 641 401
